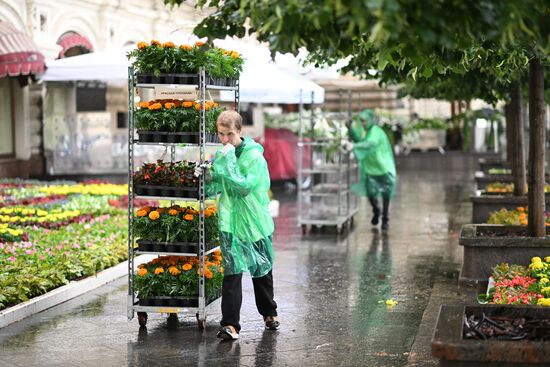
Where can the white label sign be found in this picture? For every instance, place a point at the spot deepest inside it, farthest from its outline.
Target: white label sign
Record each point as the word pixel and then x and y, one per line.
pixel 175 91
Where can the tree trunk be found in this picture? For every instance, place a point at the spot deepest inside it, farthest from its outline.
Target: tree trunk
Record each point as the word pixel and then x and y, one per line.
pixel 516 134
pixel 537 132
pixel 509 145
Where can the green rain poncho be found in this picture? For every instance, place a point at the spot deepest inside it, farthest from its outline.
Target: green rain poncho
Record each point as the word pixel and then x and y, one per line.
pixel 246 226
pixel 375 156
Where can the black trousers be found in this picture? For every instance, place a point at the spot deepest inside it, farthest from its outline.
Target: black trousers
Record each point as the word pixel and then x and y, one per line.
pixel 232 298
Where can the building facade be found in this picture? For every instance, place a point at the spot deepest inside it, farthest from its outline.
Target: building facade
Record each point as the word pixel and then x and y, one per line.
pixel 67 28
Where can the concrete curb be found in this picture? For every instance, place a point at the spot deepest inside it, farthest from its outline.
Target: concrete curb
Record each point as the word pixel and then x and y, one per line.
pixel 66 292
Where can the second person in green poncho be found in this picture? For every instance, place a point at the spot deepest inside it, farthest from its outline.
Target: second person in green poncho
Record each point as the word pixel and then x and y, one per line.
pixel 239 173
pixel 374 152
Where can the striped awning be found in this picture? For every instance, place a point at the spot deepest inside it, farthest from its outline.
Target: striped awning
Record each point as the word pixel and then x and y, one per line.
pixel 18 53
pixel 73 39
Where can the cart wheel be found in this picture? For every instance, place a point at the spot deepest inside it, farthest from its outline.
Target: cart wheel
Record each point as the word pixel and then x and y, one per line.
pixel 304 229
pixel 201 323
pixel 142 318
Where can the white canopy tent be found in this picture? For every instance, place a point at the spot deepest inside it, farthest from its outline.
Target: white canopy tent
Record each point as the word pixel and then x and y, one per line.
pixel 261 80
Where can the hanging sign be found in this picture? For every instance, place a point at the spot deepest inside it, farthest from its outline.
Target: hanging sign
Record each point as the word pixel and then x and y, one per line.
pixel 176 91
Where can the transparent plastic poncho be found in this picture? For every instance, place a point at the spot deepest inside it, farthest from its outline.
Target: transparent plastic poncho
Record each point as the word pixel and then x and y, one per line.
pixel 375 156
pixel 246 227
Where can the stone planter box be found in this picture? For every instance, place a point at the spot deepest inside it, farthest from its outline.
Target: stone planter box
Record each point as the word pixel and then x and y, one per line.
pixel 484 205
pixel 449 345
pixel 488 245
pixel 483 179
pixel 485 164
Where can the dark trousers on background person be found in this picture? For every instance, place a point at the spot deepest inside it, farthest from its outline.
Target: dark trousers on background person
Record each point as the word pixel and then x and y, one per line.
pixel 232 297
pixel 376 208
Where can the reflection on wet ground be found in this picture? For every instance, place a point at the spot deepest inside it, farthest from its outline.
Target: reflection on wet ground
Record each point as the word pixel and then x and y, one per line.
pixel 331 293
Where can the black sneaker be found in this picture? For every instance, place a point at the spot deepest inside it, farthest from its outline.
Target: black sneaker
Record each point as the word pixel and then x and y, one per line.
pixel 227 333
pixel 385 225
pixel 271 323
pixel 375 219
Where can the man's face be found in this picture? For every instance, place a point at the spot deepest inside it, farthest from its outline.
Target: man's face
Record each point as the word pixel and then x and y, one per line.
pixel 229 135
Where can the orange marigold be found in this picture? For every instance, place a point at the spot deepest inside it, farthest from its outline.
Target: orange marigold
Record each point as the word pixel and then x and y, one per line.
pixel 218 252
pixel 521 209
pixel 143 104
pixel 199 44
pixel 198 106
pixel 172 212
pixel 142 272
pixel 155 42
pixel 154 215
pixel 208 273
pixel 177 103
pixel 188 217
pixel 192 211
pixel 142 45
pixel 155 260
pixel 155 106
pixel 186 47
pixel 234 55
pixel 169 44
pixel 187 104
pixel 187 267
pixel 141 213
pixel 174 271
pixel 159 270
pixel 169 105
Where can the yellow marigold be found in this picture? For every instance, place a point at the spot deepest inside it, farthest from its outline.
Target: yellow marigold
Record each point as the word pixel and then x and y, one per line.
pixel 187 104
pixel 159 270
pixel 142 45
pixel 155 106
pixel 143 104
pixel 155 42
pixel 169 44
pixel 543 302
pixel 172 212
pixel 174 271
pixel 187 267
pixel 142 272
pixel 199 44
pixel 188 217
pixel 226 52
pixel 547 259
pixel 536 259
pixel 154 215
pixel 169 105
pixel 141 213
pixel 234 55
pixel 544 280
pixel 186 47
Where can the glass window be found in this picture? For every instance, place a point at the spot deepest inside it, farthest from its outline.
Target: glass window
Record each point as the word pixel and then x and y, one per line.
pixel 6 120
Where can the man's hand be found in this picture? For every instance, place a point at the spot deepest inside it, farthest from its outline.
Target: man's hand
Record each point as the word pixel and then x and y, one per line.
pixel 226 149
pixel 346 145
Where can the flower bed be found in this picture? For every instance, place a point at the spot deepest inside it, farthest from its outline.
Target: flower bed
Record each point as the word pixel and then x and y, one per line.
pixel 518 284
pixel 513 217
pixel 506 188
pixel 52 234
pixel 177 276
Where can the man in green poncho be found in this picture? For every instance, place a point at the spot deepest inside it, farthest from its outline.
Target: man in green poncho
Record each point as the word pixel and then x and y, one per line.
pixel 240 174
pixel 377 166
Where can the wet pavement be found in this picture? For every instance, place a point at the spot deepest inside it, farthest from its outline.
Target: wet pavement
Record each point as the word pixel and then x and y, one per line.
pixel 329 291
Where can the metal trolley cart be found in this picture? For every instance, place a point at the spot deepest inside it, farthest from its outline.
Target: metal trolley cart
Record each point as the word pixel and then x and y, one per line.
pixel 324 195
pixel 201 83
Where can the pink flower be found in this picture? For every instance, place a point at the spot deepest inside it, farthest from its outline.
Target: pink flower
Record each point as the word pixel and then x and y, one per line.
pixel 76 245
pixel 12 259
pixel 29 252
pixel 48 249
pixel 42 257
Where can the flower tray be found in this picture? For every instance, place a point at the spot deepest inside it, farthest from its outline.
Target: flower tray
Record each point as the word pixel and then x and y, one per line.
pixel 167 191
pixel 179 137
pixel 184 79
pixel 176 301
pixel 165 301
pixel 178 247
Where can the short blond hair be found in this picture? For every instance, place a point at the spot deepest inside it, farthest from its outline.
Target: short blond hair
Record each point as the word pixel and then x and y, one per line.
pixel 230 118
